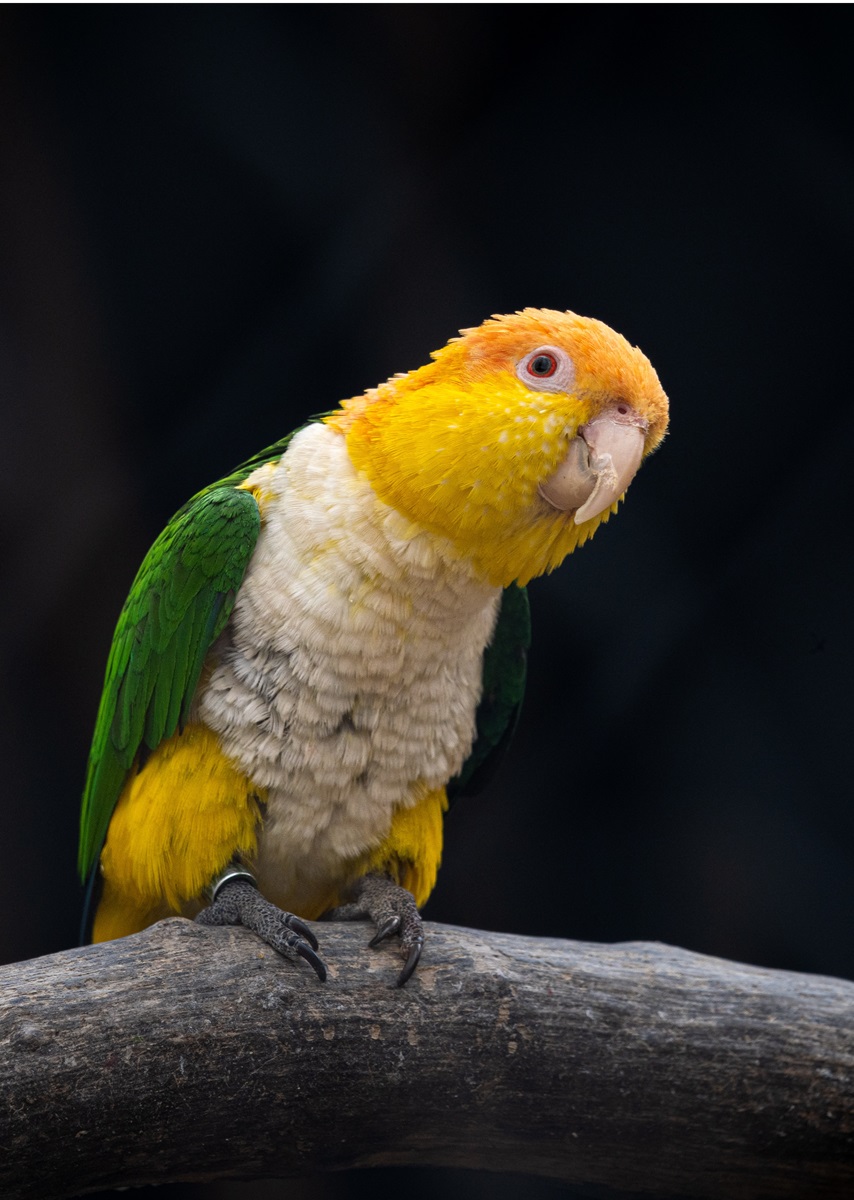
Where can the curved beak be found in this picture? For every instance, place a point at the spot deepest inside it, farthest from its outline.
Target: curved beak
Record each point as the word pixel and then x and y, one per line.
pixel 600 464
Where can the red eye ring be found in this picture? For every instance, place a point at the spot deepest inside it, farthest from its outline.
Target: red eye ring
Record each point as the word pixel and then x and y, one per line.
pixel 542 365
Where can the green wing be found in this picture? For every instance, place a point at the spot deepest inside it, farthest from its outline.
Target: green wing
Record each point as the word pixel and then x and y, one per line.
pixel 177 607
pixel 504 666
pixel 179 604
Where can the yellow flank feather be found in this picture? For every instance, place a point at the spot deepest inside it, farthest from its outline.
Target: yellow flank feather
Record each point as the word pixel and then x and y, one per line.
pixel 412 851
pixel 460 445
pixel 178 823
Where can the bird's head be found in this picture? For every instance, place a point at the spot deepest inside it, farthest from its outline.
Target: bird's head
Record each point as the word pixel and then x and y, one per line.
pixel 515 442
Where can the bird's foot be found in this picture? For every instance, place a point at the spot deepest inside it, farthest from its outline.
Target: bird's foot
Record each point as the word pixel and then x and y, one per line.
pixel 237 901
pixel 393 911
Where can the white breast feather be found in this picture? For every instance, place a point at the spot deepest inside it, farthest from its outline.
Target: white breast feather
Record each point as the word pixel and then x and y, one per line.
pixel 348 677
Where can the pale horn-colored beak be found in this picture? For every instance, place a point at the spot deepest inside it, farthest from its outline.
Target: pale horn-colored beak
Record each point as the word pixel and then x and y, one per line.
pixel 600 464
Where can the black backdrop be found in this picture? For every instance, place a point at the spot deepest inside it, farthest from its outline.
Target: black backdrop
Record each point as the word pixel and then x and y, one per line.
pixel 215 221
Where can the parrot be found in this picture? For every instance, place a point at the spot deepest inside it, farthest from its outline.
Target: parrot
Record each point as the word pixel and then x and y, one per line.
pixel 326 647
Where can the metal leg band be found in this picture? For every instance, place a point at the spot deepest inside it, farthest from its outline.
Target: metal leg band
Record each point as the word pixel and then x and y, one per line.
pixel 233 871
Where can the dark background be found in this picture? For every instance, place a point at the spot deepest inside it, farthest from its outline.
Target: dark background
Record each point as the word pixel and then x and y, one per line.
pixel 215 221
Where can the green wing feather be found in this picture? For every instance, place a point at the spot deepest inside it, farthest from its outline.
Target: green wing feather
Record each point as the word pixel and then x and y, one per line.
pixel 178 605
pixel 504 668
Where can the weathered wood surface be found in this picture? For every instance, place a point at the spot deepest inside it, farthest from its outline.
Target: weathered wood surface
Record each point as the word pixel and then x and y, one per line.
pixel 187 1053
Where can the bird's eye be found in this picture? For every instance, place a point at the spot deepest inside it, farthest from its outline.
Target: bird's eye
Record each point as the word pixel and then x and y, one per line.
pixel 542 365
pixel 546 369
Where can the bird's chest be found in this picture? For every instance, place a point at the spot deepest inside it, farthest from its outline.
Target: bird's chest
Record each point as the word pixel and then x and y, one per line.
pixel 348 678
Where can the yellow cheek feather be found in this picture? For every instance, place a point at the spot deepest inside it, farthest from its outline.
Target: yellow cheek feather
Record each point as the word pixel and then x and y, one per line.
pixel 461 445
pixel 178 822
pixel 465 463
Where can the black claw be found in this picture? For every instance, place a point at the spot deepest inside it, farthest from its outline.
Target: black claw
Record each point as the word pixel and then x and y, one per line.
pixel 394 913
pixel 303 930
pixel 386 930
pixel 411 962
pixel 312 959
pixel 240 903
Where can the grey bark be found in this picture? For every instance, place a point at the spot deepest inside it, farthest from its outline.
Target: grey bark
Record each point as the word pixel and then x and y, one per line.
pixel 188 1053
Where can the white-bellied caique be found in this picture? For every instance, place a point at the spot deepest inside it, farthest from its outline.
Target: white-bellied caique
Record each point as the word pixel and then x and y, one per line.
pixel 325 646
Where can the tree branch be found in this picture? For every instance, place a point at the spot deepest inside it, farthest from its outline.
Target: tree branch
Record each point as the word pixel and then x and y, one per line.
pixel 187 1053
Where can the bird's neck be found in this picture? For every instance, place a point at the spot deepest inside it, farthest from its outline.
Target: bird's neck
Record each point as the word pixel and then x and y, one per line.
pixel 330 518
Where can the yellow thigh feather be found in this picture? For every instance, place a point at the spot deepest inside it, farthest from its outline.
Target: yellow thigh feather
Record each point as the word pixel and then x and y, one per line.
pixel 412 851
pixel 178 822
